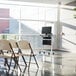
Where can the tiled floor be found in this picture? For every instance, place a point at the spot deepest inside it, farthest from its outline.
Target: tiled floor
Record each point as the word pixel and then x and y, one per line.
pixel 61 64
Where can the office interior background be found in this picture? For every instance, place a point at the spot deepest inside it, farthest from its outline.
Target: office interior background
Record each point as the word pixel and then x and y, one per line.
pixel 25 20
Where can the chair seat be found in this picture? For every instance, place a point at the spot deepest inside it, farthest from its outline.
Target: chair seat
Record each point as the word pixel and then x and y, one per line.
pixel 17 55
pixel 5 55
pixel 28 54
pixel 8 55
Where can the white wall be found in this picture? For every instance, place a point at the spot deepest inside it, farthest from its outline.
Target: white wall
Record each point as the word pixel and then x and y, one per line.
pixel 69 29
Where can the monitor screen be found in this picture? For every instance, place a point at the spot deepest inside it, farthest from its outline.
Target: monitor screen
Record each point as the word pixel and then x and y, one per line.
pixel 46 30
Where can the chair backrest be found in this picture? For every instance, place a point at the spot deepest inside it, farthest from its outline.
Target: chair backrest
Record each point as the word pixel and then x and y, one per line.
pixel 25 47
pixel 23 44
pixel 14 46
pixel 5 45
pixel 13 43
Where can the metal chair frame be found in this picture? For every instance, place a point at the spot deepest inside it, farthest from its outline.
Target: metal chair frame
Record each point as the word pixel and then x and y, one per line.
pixel 7 52
pixel 23 44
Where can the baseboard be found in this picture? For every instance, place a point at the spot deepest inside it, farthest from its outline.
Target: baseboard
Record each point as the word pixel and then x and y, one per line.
pixel 60 50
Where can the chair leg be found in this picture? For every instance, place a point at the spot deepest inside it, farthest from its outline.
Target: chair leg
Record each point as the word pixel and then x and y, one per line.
pixel 29 63
pixel 24 70
pixel 25 63
pixel 16 62
pixel 36 61
pixel 24 60
pixel 6 63
pixel 10 63
pixel 15 66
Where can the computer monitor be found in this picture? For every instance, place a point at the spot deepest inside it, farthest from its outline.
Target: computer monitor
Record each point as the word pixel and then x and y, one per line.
pixel 46 30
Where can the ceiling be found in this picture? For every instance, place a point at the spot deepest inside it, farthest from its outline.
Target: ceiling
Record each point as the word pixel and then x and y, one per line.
pixel 47 1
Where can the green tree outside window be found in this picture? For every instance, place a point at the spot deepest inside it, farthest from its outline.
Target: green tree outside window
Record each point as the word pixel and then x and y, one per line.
pixel 75 14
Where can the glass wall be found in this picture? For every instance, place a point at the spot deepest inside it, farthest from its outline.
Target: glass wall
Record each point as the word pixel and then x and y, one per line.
pixel 21 21
pixel 25 21
pixel 33 18
pixel 9 21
